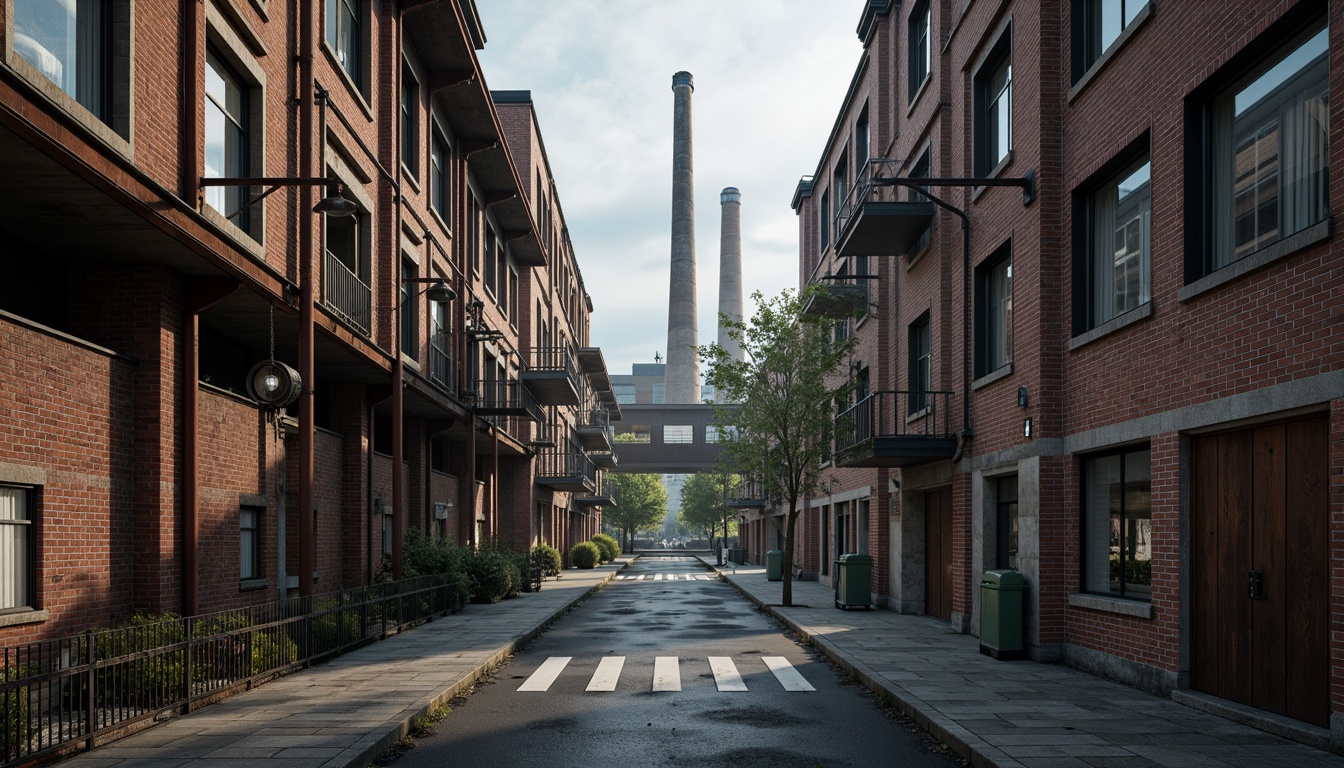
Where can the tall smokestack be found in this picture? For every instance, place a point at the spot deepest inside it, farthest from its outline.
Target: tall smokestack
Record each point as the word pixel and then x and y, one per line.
pixel 683 364
pixel 730 268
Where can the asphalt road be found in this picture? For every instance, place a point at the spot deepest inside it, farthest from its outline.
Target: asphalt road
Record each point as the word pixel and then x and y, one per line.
pixel 668 666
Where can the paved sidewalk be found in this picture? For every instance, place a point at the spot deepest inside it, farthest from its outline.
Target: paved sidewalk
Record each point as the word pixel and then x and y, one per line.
pixel 1016 713
pixel 351 709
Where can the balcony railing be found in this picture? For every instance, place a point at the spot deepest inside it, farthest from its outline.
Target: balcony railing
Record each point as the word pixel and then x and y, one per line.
pixel 593 430
pixel 506 398
pixel 895 429
pixel 442 367
pixel 601 496
pixel 566 471
pixel 346 295
pixel 879 219
pixel 746 494
pixel 553 375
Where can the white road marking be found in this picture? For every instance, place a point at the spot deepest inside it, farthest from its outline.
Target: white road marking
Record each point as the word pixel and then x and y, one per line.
pixel 725 674
pixel 546 674
pixel 787 676
pixel 607 674
pixel 666 674
pixel 640 577
pixel 657 577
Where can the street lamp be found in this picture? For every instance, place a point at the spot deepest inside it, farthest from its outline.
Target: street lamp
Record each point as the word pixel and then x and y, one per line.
pixel 331 205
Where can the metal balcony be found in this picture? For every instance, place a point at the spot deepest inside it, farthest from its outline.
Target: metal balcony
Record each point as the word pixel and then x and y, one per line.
pixel 601 495
pixel 346 295
pixel 552 374
pixel 506 398
pixel 593 431
pixel 872 221
pixel 747 494
pixel 604 460
pixel 837 300
pixel 564 471
pixel 895 429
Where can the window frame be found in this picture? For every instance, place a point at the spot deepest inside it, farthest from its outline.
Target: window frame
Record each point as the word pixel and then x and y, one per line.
pixel 440 176
pixel 338 36
pixel 991 306
pixel 250 543
pixel 1088 310
pixel 1086 522
pixel 409 115
pixel 999 58
pixel 925 158
pixel 24 573
pixel 919 358
pixel 919 55
pixel 824 221
pixel 409 309
pixel 232 198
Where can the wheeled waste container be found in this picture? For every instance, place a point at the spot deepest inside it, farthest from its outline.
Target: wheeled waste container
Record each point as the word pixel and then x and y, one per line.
pixel 853 572
pixel 1001 614
pixel 774 565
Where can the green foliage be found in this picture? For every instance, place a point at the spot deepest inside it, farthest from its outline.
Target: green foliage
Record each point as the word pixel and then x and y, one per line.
pixel 704 502
pixel 495 572
pixel 16 729
pixel 334 626
pixel 152 680
pixel 609 547
pixel 775 405
pixel 548 558
pixel 641 502
pixel 423 555
pixel 585 554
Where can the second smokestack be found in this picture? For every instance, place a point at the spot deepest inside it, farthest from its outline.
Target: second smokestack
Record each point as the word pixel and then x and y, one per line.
pixel 730 267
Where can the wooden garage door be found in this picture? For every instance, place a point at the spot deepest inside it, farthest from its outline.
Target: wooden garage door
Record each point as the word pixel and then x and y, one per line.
pixel 1260 568
pixel 938 553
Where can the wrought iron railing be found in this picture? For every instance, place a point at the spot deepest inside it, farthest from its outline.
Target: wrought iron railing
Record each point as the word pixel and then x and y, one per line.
pixel 564 464
pixel 892 413
pixel 56 695
pixel 867 188
pixel 346 295
pixel 553 359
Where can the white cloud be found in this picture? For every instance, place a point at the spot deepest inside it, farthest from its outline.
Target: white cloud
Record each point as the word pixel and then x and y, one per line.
pixel 769 79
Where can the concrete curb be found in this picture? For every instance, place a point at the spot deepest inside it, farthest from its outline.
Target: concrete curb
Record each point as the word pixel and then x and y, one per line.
pixel 960 741
pixel 496 659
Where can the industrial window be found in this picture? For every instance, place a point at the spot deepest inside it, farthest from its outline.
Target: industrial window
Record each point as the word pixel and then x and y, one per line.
pixel 920 49
pixel 1096 25
pixel 1268 152
pixel 491 264
pixel 18 547
pixel 410 310
pixel 824 225
pixel 513 296
pixel 249 543
pixel 676 434
pixel 345 36
pixel 625 393
pixel 68 42
pixel 410 127
pixel 228 144
pixel 387 529
pixel 659 394
pixel 920 170
pixel 711 434
pixel 475 220
pixel 1117 524
pixel 921 365
pixel 840 186
pixel 862 139
pixel 439 181
pixel 994 108
pixel 1112 262
pixel 994 312
pixel 1005 494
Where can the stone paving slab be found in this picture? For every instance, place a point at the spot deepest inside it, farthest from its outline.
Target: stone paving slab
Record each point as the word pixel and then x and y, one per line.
pixel 1015 714
pixel 351 709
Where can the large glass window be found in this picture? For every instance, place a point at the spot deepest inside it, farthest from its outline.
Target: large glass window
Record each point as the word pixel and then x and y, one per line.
pixel 227 145
pixel 1117 524
pixel 994 108
pixel 17 547
pixel 410 310
pixel 920 48
pixel 1117 261
pixel 249 543
pixel 994 313
pixel 920 170
pixel 438 178
pixel 824 224
pixel 625 393
pixel 1005 494
pixel 344 18
pixel 1269 152
pixel 1098 24
pixel 410 134
pixel 920 357
pixel 68 43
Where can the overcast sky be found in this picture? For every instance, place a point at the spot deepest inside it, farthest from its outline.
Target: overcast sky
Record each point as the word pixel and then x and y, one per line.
pixel 769 79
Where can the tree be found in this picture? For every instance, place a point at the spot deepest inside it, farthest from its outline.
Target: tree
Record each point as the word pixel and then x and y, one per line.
pixel 775 409
pixel 641 502
pixel 704 504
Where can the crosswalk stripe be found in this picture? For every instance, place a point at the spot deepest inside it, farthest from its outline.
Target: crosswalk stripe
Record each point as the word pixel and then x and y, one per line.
pixel 607 675
pixel 546 674
pixel 725 674
pixel 790 678
pixel 657 577
pixel 640 577
pixel 666 673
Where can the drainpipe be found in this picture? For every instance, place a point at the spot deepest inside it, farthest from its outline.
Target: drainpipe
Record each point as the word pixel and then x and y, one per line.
pixel 307 430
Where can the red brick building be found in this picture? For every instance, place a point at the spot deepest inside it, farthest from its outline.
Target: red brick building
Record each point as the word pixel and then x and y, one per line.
pixel 161 255
pixel 1108 355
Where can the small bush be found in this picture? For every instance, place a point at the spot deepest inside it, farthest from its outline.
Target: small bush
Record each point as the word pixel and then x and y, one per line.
pixel 148 681
pixel 548 558
pixel 494 574
pixel 333 626
pixel 585 554
pixel 17 728
pixel 611 549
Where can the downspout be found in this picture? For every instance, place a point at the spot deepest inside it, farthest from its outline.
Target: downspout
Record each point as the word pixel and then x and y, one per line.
pixel 191 394
pixel 966 432
pixel 307 431
pixel 398 368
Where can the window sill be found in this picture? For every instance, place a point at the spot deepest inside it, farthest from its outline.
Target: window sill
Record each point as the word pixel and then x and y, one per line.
pixel 349 81
pixel 23 617
pixel 994 173
pixel 1141 312
pixel 914 98
pixel 1118 605
pixel 409 175
pixel 1263 257
pixel 911 259
pixel 1110 54
pixel 993 376
pixel 250 585
pixel 242 237
pixel 447 230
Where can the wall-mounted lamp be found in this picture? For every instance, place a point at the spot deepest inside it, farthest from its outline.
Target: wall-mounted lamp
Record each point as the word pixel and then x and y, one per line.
pixel 1021 397
pixel 331 205
pixel 439 290
pixel 274 384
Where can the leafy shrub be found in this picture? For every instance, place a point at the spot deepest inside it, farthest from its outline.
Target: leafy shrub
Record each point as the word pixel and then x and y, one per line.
pixel 17 727
pixel 585 554
pixel 334 626
pixel 272 649
pixel 548 558
pixel 150 681
pixel 493 575
pixel 610 548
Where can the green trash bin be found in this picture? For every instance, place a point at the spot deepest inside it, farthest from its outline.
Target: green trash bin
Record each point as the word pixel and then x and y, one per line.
pixel 853 572
pixel 1001 614
pixel 774 565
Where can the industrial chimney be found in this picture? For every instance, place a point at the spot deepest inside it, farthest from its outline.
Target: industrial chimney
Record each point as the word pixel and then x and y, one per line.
pixel 730 268
pixel 683 364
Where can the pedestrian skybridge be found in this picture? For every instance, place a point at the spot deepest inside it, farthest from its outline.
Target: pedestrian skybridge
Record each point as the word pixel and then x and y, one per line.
pixel 670 439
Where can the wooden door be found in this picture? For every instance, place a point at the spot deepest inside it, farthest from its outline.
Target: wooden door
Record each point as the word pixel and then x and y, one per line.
pixel 938 553
pixel 1260 568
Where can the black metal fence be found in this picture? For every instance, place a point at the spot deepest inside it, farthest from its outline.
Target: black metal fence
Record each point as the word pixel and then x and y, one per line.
pixel 56 695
